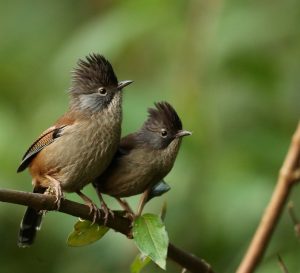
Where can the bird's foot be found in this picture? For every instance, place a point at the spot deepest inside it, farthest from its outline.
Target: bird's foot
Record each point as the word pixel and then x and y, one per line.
pixel 58 195
pixel 92 206
pixel 129 212
pixel 105 208
pixel 94 210
pixel 106 211
pixel 55 189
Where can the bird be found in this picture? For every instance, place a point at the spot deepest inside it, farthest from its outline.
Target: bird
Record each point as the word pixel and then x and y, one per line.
pixel 81 143
pixel 144 158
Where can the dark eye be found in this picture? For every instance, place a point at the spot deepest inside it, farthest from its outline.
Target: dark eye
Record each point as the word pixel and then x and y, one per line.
pixel 164 133
pixel 102 91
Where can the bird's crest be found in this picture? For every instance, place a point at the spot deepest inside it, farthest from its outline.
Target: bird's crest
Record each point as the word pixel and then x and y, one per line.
pixel 163 116
pixel 95 70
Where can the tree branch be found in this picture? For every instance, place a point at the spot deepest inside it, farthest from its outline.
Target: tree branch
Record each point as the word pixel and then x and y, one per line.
pixel 118 223
pixel 288 175
pixel 188 260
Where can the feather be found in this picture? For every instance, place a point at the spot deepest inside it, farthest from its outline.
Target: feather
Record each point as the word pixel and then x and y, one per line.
pixel 163 116
pixel 44 140
pixel 95 70
pixel 127 144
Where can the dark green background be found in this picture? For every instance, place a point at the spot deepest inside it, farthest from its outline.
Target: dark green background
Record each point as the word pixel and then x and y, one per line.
pixel 230 68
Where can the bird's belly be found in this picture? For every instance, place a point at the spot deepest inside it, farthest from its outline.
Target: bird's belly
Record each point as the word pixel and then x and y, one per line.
pixel 125 188
pixel 133 174
pixel 132 187
pixel 129 183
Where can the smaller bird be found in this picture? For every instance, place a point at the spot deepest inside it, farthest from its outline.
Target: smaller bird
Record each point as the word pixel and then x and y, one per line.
pixel 144 158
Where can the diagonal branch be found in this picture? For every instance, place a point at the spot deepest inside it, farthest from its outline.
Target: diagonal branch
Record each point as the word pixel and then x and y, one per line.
pixel 289 174
pixel 118 223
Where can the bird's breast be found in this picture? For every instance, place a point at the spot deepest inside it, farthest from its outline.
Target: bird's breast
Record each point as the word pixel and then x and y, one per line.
pixel 94 148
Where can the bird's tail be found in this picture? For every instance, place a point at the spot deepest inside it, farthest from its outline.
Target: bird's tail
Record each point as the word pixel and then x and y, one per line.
pixel 31 222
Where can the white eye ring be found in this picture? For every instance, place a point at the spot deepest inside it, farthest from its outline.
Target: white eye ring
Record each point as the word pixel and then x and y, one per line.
pixel 102 91
pixel 164 133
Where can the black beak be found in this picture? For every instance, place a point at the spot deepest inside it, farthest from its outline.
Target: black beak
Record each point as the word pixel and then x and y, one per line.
pixel 122 84
pixel 182 133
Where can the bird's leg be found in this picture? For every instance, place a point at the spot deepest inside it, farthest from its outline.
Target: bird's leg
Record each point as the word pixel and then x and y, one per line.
pixel 105 208
pixel 93 208
pixel 123 203
pixel 55 185
pixel 126 207
pixel 143 201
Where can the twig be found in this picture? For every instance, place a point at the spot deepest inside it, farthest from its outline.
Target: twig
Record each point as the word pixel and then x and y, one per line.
pixel 118 223
pixel 282 264
pixel 294 219
pixel 292 213
pixel 289 174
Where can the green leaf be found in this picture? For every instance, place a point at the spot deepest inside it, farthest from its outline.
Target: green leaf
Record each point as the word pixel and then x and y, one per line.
pixel 85 233
pixel 139 263
pixel 151 238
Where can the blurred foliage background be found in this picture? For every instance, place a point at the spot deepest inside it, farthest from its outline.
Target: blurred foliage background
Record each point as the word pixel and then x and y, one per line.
pixel 230 68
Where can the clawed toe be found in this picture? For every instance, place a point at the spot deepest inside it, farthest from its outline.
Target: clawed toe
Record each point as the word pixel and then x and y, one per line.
pixel 58 199
pixel 95 211
pixel 93 208
pixel 105 209
pixel 55 189
pixel 107 212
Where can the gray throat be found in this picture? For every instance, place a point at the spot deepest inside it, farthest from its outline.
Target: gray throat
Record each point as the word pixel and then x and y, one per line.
pixel 92 102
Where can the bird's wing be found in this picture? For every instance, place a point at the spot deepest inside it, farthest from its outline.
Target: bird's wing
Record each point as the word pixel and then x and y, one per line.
pixel 127 144
pixel 46 138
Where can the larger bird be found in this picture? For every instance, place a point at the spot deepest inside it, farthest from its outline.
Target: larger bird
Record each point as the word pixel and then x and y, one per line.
pixel 145 157
pixel 81 144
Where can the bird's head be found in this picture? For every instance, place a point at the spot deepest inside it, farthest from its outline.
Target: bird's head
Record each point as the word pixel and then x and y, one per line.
pixel 94 83
pixel 162 127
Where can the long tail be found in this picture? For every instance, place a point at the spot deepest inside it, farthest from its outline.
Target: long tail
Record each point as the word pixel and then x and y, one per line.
pixel 31 222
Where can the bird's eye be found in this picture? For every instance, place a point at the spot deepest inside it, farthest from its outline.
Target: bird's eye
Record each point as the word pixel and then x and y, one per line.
pixel 164 133
pixel 102 91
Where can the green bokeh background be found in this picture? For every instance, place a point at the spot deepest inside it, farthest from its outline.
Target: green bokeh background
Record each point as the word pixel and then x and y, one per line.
pixel 230 68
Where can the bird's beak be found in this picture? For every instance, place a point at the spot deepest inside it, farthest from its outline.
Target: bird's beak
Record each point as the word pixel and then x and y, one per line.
pixel 182 133
pixel 122 84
